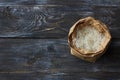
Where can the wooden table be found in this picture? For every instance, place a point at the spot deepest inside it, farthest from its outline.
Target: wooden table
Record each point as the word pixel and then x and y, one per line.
pixel 33 40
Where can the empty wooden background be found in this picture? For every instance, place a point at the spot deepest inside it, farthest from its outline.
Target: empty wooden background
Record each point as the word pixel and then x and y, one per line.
pixel 33 40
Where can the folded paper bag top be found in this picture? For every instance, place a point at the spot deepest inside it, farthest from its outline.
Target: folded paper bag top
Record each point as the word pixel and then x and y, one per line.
pixel 88 39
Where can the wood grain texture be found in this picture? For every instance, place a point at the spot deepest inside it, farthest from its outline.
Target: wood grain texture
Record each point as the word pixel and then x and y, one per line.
pixel 58 2
pixel 53 21
pixel 33 40
pixel 50 59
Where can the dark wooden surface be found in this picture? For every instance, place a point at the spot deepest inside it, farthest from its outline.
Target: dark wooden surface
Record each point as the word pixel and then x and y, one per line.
pixel 33 40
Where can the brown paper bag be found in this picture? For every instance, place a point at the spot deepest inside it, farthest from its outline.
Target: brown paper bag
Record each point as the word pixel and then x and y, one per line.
pixel 82 53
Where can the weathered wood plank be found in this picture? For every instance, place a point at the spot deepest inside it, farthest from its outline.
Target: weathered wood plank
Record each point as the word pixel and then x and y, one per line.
pixel 49 59
pixel 58 2
pixel 53 21
pixel 77 76
pixel 45 59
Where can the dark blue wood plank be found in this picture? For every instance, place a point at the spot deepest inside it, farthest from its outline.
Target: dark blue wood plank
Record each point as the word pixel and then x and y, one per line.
pixel 33 59
pixel 58 2
pixel 53 21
